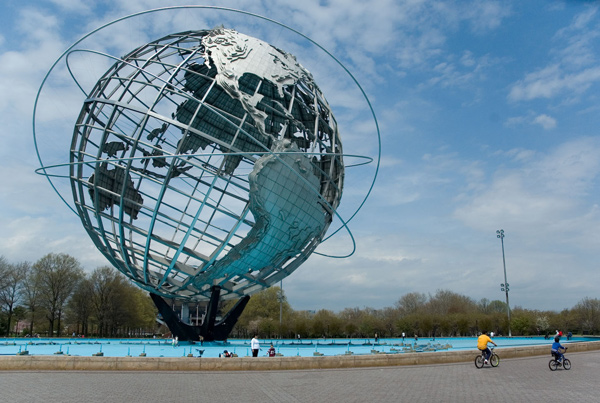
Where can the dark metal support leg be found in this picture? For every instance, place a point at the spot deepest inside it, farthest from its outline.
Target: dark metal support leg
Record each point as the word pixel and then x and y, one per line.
pixel 209 330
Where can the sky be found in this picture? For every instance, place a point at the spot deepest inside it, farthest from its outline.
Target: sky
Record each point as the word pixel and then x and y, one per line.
pixel 488 114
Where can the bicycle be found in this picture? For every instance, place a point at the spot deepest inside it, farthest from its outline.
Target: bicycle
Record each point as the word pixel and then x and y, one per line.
pixel 554 363
pixel 494 359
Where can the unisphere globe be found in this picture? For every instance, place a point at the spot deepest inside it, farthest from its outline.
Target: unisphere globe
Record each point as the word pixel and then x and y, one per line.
pixel 206 158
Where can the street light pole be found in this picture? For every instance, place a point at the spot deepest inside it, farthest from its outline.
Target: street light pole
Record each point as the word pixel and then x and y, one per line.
pixel 280 306
pixel 504 286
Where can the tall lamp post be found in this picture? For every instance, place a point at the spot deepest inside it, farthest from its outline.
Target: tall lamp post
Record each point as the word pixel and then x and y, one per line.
pixel 280 298
pixel 504 286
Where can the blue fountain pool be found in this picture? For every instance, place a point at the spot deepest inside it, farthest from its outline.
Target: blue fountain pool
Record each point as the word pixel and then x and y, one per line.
pixel 285 347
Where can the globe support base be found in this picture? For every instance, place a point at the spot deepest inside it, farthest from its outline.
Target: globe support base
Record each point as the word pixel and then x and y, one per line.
pixel 209 330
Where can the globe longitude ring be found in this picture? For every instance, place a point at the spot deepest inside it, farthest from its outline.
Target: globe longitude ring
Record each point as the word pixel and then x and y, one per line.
pixel 205 158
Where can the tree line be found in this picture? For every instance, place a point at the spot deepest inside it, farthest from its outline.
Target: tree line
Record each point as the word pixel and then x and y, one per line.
pixel 55 297
pixel 443 314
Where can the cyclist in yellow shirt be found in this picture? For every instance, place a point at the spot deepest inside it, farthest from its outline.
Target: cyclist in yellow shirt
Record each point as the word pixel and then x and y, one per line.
pixel 482 344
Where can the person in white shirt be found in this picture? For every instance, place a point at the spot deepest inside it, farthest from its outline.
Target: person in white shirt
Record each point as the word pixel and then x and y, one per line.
pixel 255 346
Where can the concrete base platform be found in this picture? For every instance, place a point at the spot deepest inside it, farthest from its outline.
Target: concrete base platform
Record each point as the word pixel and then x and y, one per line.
pixel 78 363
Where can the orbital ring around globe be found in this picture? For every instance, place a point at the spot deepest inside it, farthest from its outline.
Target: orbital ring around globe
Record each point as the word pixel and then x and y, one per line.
pixel 235 189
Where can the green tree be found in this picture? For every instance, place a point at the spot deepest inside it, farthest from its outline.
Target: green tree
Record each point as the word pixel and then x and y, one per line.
pixel 523 322
pixel 484 305
pixel 318 326
pixel 351 318
pixel 520 325
pixel 31 295
pixel 300 324
pixel 410 324
pixel 486 323
pixel 58 274
pixel 497 306
pixel 463 324
pixel 106 284
pixel 144 309
pixel 370 323
pixel 446 326
pixel 426 325
pixel 587 314
pixel 446 302
pixel 326 323
pixel 80 307
pixel 388 322
pixel 411 303
pixel 117 305
pixel 542 323
pixel 261 315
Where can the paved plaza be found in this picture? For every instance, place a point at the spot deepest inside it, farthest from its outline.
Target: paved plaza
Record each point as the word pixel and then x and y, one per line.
pixel 515 380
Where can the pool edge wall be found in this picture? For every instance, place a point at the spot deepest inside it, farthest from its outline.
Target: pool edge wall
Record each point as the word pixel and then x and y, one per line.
pixel 93 363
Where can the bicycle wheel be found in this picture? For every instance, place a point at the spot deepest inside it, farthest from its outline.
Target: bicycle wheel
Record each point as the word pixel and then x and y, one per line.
pixel 494 360
pixel 552 365
pixel 479 361
pixel 566 364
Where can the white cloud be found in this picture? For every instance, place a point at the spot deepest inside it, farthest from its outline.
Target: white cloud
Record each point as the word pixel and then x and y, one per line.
pixel 515 121
pixel 544 120
pixel 573 69
pixel 518 154
pixel 388 161
pixel 30 238
pixel 540 194
pixel 417 51
pixel 467 59
pixel 485 16
pixel 547 122
pixel 553 81
pixel 21 71
pixel 571 169
pixel 583 19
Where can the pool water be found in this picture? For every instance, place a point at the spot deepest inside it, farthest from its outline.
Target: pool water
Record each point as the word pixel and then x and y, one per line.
pixel 285 347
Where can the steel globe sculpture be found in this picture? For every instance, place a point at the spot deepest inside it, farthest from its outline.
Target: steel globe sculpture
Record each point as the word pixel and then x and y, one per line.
pixel 206 165
pixel 206 158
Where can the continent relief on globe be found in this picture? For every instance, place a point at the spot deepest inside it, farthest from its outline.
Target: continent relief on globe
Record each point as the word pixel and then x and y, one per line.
pixel 239 63
pixel 284 199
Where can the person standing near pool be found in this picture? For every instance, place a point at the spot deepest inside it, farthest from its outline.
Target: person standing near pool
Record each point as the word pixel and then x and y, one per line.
pixel 254 346
pixel 482 344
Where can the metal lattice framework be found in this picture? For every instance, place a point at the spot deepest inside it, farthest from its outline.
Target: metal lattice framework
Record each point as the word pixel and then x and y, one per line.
pixel 192 175
pixel 164 168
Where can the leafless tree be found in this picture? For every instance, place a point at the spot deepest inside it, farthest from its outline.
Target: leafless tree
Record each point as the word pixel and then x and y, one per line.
pixel 11 283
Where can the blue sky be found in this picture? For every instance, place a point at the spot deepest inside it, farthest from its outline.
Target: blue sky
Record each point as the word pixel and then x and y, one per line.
pixel 489 119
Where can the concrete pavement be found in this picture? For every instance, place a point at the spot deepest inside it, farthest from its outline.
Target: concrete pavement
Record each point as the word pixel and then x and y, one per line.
pixel 526 379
